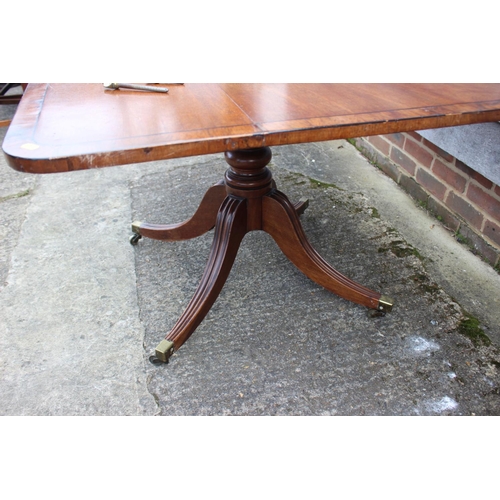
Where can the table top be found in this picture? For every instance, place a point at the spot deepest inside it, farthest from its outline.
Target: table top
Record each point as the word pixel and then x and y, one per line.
pixel 64 127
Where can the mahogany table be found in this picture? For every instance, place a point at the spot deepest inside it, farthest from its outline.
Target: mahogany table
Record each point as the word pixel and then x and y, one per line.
pixel 65 127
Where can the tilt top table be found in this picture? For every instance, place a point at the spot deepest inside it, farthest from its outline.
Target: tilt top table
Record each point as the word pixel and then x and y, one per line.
pixel 65 127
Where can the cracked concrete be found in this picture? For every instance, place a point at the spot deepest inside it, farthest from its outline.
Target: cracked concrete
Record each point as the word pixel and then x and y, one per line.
pixel 81 310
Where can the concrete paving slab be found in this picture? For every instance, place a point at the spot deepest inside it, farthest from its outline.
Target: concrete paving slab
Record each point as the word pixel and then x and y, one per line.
pixel 472 282
pixel 277 344
pixel 70 335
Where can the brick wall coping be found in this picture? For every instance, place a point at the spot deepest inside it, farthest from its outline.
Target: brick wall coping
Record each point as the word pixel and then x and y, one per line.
pixel 478 146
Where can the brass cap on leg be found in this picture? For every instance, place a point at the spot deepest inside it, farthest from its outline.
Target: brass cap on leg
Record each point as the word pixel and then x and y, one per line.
pixel 136 227
pixel 385 304
pixel 164 350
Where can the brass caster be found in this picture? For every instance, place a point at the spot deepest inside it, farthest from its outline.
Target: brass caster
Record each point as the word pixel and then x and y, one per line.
pixel 375 313
pixel 134 239
pixel 156 361
pixel 385 304
pixel 136 229
pixel 164 350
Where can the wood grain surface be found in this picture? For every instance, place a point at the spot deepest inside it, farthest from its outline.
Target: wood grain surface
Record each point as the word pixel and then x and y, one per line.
pixel 63 127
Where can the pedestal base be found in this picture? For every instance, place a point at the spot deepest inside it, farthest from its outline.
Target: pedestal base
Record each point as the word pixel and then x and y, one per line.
pixel 247 200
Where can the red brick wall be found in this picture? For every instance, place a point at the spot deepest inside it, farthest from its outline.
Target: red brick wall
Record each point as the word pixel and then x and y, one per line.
pixel 460 197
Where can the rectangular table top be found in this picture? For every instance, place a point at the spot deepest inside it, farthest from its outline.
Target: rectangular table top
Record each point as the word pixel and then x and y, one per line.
pixel 64 127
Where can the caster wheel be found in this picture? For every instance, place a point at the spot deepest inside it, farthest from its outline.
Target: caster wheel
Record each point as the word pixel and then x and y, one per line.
pixel 134 239
pixel 155 361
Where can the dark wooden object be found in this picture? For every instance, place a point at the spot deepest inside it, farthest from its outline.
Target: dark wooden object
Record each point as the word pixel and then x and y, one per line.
pixel 251 202
pixel 9 99
pixel 64 127
pixel 69 127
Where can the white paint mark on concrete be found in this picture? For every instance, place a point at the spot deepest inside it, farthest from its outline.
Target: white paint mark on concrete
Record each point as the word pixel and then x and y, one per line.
pixel 441 405
pixel 422 346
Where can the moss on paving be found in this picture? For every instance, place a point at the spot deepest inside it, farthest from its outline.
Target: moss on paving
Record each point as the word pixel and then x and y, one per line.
pixel 471 329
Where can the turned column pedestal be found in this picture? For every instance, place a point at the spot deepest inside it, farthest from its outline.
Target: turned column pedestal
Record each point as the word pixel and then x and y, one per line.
pixel 247 200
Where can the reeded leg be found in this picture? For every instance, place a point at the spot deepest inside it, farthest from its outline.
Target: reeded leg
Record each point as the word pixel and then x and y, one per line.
pixel 250 202
pixel 281 221
pixel 202 221
pixel 230 229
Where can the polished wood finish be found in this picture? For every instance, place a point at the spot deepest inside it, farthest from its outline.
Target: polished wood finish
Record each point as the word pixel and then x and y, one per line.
pixel 230 229
pixel 281 221
pixel 253 203
pixel 61 128
pixel 64 127
pixel 201 222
